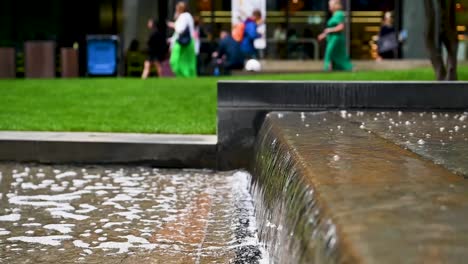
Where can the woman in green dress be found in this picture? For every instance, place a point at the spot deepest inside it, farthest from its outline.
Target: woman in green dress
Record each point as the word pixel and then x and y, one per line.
pixel 183 58
pixel 336 57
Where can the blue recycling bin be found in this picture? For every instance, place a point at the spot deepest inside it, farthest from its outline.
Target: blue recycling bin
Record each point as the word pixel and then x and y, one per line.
pixel 102 55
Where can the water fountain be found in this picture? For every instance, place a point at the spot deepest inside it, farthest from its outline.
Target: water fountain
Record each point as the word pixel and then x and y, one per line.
pixel 341 173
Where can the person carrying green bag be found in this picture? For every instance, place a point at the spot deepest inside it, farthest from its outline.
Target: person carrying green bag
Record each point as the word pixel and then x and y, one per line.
pixel 183 58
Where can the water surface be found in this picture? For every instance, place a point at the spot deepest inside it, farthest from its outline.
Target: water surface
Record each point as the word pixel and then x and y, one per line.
pixel 58 214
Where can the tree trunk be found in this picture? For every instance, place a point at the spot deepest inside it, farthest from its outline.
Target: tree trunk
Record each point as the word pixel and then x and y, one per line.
pixel 442 30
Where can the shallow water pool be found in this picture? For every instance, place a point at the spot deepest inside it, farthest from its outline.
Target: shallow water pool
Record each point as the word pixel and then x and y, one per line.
pixel 63 214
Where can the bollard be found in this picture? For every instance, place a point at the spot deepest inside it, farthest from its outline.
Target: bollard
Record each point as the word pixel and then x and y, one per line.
pixel 69 61
pixel 39 59
pixel 7 63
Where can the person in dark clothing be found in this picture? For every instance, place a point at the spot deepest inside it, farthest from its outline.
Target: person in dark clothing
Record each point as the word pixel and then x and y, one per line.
pixel 388 40
pixel 229 55
pixel 157 50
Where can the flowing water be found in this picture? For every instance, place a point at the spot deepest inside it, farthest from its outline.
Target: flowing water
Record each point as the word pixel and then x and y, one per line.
pixel 63 214
pixel 311 166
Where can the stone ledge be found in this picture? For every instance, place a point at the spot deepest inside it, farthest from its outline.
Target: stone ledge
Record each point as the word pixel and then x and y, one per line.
pixel 174 151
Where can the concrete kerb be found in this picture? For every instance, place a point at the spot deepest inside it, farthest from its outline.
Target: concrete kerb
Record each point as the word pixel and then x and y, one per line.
pixel 169 151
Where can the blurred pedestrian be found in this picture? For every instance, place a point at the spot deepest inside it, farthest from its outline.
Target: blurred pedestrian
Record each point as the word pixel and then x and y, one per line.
pixel 183 57
pixel 251 34
pixel 229 55
pixel 279 36
pixel 388 39
pixel 336 57
pixel 157 50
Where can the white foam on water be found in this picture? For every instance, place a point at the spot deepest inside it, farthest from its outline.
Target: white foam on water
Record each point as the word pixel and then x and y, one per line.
pixel 79 183
pixel 57 188
pixel 80 244
pixel 43 240
pixel 4 232
pixel 31 224
pixel 98 231
pixel 99 187
pixel 85 235
pixel 102 239
pixel 66 174
pixel 62 228
pixel 91 177
pixel 116 205
pixel 101 193
pixel 66 215
pixel 87 208
pixel 121 246
pixel 134 239
pixel 130 215
pixel 30 185
pixel 132 242
pixel 120 198
pixel 10 217
pixel 111 224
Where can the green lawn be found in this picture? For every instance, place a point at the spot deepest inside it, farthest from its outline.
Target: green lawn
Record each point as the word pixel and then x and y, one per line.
pixel 182 106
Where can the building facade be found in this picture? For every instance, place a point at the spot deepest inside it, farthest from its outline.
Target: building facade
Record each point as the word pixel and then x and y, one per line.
pixel 68 22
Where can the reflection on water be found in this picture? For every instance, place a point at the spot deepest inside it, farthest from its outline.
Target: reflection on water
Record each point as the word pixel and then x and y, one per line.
pixel 110 214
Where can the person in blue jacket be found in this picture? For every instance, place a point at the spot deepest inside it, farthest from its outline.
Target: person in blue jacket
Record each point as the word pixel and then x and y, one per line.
pixel 229 55
pixel 250 34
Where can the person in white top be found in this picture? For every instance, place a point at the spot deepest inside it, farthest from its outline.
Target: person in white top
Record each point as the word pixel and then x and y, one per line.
pixel 183 58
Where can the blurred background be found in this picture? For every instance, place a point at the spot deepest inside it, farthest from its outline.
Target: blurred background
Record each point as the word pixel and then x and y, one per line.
pixel 68 24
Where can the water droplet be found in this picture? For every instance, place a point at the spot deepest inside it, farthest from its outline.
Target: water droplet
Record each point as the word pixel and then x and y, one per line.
pixel 362 127
pixel 434 117
pixel 442 129
pixel 450 137
pixel 307 125
pixel 280 115
pixel 331 129
pixel 446 115
pixel 464 126
pixel 407 123
pixel 339 127
pixel 336 158
pixel 376 119
pixel 297 135
pixel 411 134
pixel 428 135
pixel 456 128
pixel 350 115
pixel 462 118
pixel 421 142
pixel 324 119
pixel 343 113
pixel 390 127
pixel 400 113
